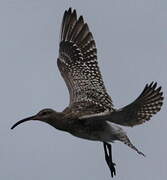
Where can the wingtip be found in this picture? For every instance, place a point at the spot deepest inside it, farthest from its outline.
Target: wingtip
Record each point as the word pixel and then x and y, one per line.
pixel 153 86
pixel 69 10
pixel 81 19
pixel 74 13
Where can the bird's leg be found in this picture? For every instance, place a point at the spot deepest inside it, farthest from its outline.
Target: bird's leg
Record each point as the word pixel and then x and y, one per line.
pixel 108 158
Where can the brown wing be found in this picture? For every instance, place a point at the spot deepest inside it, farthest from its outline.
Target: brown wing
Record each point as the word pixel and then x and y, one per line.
pixel 141 110
pixel 78 65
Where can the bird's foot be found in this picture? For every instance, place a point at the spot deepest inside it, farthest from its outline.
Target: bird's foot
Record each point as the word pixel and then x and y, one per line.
pixel 108 158
pixel 112 169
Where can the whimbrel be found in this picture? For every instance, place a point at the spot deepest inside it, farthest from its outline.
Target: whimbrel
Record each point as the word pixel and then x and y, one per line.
pixel 91 114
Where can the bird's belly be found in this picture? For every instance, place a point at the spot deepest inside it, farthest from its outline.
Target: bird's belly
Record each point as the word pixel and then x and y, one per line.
pixel 108 132
pixel 99 131
pixel 85 135
pixel 94 135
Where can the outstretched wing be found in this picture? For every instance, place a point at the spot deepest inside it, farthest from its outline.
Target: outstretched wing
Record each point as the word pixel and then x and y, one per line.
pixel 78 65
pixel 141 110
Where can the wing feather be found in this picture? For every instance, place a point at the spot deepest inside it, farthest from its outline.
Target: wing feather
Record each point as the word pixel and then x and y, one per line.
pixel 142 109
pixel 78 64
pixel 139 111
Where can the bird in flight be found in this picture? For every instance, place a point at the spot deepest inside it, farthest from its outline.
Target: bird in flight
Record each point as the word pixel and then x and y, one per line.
pixel 91 114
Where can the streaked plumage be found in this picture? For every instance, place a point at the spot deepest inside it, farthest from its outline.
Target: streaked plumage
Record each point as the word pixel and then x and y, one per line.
pixel 139 111
pixel 90 114
pixel 78 64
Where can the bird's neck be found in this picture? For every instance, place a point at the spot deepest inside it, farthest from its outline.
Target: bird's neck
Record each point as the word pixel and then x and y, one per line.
pixel 57 121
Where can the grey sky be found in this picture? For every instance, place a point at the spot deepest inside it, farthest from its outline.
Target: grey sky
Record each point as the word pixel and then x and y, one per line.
pixel 131 38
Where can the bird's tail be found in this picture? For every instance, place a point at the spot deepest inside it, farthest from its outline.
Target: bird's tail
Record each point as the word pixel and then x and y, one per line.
pixel 127 141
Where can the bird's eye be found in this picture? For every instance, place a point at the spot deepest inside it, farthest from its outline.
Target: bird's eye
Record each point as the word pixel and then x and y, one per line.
pixel 44 113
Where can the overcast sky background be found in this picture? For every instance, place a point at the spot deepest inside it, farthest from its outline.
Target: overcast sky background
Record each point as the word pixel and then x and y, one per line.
pixel 131 37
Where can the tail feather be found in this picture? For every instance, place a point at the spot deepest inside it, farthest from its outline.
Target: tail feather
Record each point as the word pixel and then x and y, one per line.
pixel 127 141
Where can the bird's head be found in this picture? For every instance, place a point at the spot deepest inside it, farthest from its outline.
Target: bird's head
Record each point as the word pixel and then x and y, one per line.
pixel 43 115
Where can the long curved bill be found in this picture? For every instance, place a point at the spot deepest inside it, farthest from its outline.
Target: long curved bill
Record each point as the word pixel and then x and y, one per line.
pixel 23 120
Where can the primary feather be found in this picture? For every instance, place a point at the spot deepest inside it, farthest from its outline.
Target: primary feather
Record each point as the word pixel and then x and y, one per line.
pixel 142 109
